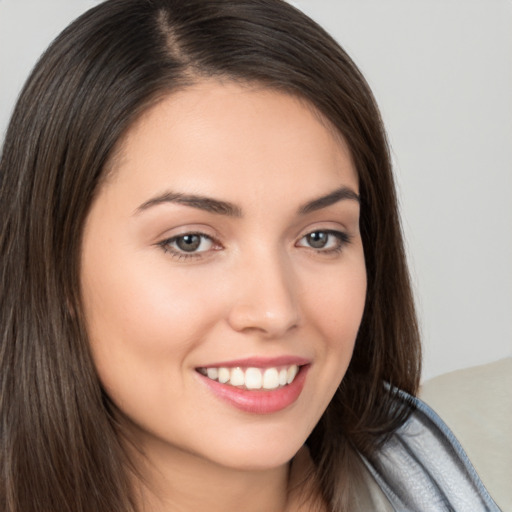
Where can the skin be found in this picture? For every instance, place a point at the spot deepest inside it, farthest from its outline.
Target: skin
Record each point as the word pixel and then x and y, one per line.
pixel 254 287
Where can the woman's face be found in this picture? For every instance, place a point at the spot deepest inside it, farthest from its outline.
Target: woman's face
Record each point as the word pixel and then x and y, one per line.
pixel 223 275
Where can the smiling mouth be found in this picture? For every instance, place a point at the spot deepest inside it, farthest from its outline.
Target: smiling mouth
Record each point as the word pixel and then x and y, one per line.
pixel 252 378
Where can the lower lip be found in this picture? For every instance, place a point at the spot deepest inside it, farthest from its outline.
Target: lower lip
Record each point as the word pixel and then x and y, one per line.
pixel 259 401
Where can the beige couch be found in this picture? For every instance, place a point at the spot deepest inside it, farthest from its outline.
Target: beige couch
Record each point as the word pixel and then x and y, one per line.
pixel 476 403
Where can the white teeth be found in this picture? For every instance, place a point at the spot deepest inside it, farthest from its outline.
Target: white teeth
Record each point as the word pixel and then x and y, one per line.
pixel 253 378
pixel 212 373
pixel 237 377
pixel 271 378
pixel 292 372
pixel 223 375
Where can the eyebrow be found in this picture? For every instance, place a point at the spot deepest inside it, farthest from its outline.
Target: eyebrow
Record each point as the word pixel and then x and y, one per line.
pixel 207 204
pixel 337 195
pixel 217 206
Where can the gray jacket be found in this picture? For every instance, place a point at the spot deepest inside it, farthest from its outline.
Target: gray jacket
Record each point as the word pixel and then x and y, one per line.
pixel 423 468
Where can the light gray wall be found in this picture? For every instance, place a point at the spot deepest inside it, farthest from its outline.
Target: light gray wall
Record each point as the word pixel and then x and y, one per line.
pixel 442 73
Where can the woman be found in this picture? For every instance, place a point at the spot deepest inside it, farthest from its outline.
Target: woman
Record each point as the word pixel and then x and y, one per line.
pixel 205 298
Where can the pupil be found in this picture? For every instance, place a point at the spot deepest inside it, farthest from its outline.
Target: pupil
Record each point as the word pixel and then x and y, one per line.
pixel 188 243
pixel 318 239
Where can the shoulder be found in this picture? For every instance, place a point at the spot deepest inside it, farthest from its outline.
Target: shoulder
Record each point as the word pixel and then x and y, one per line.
pixel 422 466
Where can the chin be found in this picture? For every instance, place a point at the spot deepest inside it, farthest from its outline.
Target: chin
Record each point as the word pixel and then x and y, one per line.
pixel 263 450
pixel 258 460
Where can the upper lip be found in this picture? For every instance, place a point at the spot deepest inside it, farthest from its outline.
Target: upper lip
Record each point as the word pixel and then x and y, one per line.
pixel 260 362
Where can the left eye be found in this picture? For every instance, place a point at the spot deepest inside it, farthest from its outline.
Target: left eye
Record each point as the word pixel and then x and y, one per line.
pixel 188 243
pixel 324 240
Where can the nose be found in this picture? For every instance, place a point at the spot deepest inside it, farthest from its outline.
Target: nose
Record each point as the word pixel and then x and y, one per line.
pixel 265 300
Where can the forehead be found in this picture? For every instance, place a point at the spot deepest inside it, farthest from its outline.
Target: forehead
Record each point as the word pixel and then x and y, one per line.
pixel 245 134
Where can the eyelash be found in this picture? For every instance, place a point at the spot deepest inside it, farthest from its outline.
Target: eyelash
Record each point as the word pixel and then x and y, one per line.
pixel 342 239
pixel 183 255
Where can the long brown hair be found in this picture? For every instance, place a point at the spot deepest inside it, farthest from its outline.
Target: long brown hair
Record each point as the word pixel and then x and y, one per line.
pixel 59 443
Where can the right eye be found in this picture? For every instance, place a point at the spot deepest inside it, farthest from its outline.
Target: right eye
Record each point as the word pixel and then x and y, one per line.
pixel 188 245
pixel 325 240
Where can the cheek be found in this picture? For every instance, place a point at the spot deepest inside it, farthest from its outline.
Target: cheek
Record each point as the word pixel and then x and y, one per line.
pixel 333 312
pixel 339 304
pixel 144 329
pixel 143 323
pixel 338 309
